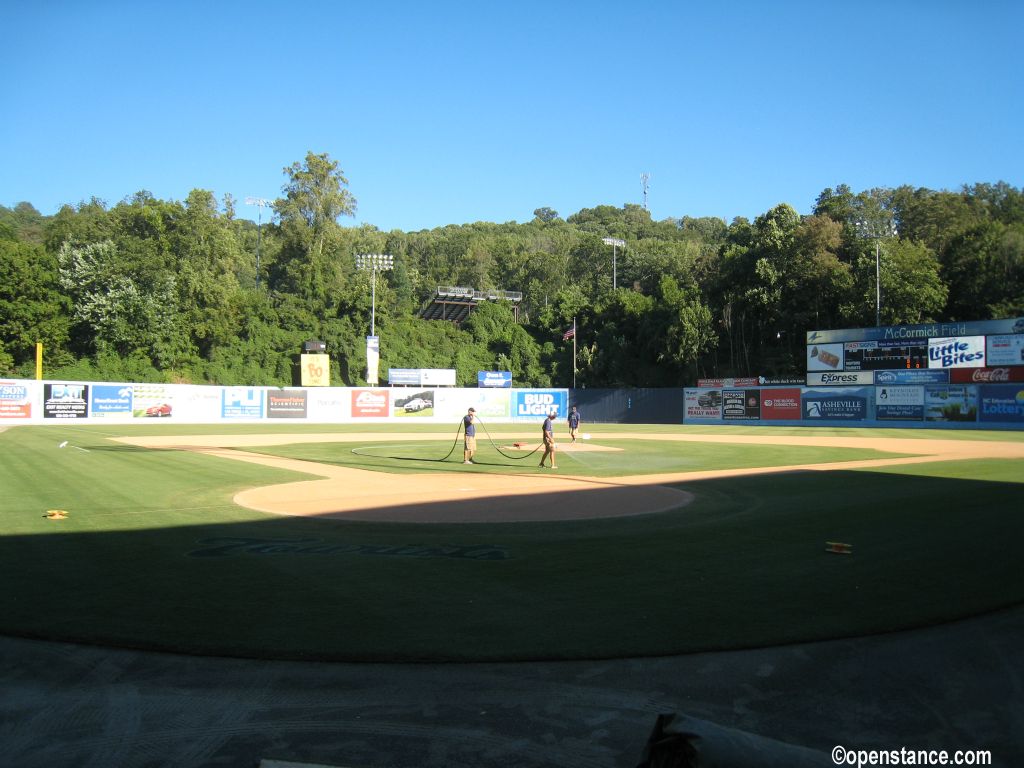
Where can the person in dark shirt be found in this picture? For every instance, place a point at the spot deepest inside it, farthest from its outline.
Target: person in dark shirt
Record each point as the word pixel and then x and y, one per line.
pixel 548 433
pixel 574 423
pixel 469 447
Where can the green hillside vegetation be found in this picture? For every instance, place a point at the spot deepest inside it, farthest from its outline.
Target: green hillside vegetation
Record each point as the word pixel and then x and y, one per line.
pixel 184 291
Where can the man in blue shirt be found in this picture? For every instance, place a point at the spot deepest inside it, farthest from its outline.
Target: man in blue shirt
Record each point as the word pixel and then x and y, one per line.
pixel 548 433
pixel 469 448
pixel 574 423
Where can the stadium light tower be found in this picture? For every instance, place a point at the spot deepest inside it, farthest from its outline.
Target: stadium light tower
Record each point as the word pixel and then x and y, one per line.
pixel 877 229
pixel 614 242
pixel 260 203
pixel 374 262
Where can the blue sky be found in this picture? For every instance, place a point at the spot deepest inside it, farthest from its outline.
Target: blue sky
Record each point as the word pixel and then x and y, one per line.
pixel 449 113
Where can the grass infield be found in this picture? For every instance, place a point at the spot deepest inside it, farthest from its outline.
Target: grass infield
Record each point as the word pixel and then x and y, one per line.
pixel 154 554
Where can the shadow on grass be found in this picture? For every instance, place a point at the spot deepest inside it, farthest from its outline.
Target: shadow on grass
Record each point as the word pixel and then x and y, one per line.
pixel 743 566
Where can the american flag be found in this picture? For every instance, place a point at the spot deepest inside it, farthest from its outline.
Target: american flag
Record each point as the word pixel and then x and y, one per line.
pixel 569 334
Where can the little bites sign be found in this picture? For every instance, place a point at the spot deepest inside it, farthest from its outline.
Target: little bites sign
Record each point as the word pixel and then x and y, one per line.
pixel 370 402
pixel 782 404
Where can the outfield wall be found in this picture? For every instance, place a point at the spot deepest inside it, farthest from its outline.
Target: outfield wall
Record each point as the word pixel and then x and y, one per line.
pixel 936 406
pixel 54 402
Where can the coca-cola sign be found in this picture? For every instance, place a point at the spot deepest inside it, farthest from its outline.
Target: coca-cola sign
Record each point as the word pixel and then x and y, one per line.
pixel 1000 375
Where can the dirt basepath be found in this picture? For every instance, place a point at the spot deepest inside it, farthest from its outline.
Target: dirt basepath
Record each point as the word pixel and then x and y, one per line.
pixel 357 494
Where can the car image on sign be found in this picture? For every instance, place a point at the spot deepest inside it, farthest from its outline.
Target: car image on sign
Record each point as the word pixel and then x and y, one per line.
pixel 417 404
pixel 164 409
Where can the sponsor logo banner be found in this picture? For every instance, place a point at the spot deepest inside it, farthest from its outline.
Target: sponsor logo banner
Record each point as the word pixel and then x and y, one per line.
pixel 15 400
pixel 780 404
pixel 287 404
pixel 65 401
pixel 957 352
pixel 780 381
pixel 416 404
pixel 501 379
pixel 315 370
pixel 953 403
pixel 404 377
pixel 899 403
pixel 840 379
pixel 112 401
pixel 535 404
pixel 913 376
pixel 919 332
pixel 1003 375
pixel 372 358
pixel 741 404
pixel 722 383
pixel 370 402
pixel 702 404
pixel 153 400
pixel 1001 402
pixel 438 377
pixel 1005 350
pixel 838 405
pixel 241 403
pixel 825 357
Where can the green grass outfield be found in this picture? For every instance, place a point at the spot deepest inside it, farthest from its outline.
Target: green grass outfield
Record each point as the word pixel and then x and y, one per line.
pixel 155 555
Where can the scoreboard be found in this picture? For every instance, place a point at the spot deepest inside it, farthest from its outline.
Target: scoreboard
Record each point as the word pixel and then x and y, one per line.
pixel 884 355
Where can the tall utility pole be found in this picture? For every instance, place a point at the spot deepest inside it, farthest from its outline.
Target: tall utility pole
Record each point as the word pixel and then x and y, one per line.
pixel 877 229
pixel 614 242
pixel 644 178
pixel 260 203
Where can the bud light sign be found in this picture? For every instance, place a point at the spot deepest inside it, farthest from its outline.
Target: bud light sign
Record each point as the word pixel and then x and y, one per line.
pixel 535 404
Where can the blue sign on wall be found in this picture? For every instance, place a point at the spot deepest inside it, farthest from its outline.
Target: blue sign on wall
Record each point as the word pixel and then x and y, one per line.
pixel 1001 402
pixel 110 399
pixel 535 404
pixel 912 376
pixel 502 379
pixel 836 404
pixel 241 403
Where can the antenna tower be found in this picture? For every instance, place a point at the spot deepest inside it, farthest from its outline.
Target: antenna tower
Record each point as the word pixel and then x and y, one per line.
pixel 644 178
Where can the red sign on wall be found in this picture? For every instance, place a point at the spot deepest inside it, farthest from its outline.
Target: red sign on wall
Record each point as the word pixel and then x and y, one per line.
pixel 370 402
pixel 1002 375
pixel 779 403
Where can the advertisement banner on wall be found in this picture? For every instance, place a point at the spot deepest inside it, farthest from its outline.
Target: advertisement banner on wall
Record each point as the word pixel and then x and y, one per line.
pixel 840 379
pixel 15 400
pixel 415 402
pixel 899 403
pixel 836 404
pixel 241 403
pixel 438 377
pixel 1001 402
pixel 65 401
pixel 493 404
pixel 111 401
pixel 314 370
pixel 287 403
pixel 912 376
pixel 825 357
pixel 502 379
pixel 1005 350
pixel 952 403
pixel 702 404
pixel 741 404
pixel 1004 375
pixel 957 352
pixel 329 405
pixel 535 404
pixel 731 383
pixel 780 404
pixel 370 403
pixel 154 400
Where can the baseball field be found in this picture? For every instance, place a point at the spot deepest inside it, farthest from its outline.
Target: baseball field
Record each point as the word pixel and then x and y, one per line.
pixel 379 544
